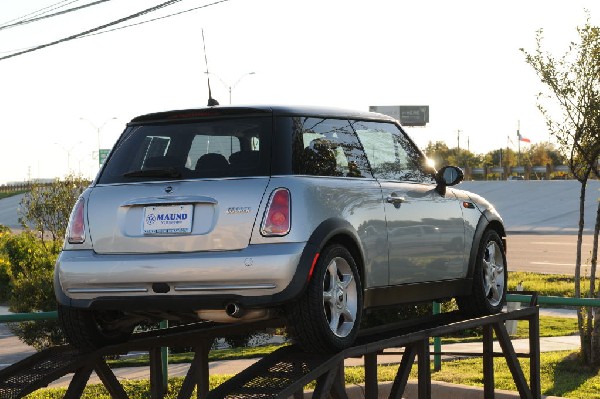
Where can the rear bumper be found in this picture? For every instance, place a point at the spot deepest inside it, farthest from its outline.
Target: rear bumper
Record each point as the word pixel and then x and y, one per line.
pixel 263 275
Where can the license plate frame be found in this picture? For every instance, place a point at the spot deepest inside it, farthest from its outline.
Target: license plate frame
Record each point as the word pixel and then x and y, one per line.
pixel 168 219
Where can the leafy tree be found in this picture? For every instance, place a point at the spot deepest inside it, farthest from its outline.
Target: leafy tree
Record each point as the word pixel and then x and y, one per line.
pixel 537 154
pixel 442 155
pixel 46 208
pixel 438 152
pixel 572 84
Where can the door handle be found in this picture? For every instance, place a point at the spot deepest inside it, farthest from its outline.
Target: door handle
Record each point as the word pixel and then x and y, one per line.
pixel 394 199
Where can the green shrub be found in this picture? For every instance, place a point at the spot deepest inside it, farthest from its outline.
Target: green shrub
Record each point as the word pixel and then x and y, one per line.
pixel 4 266
pixel 382 316
pixel 31 273
pixel 46 207
pixel 30 269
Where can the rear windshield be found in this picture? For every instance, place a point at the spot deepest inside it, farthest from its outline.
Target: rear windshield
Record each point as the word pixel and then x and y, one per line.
pixel 236 147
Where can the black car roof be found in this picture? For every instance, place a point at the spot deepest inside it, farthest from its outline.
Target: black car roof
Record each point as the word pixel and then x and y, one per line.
pixel 278 110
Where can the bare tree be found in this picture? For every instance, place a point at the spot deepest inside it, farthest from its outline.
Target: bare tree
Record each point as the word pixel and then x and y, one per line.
pixel 572 84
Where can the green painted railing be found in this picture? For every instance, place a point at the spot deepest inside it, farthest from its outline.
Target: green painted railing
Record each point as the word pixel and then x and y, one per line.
pixel 545 300
pixel 555 300
pixel 17 317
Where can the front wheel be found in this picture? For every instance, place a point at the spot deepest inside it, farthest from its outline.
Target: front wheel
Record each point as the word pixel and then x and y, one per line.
pixel 88 329
pixel 489 278
pixel 327 317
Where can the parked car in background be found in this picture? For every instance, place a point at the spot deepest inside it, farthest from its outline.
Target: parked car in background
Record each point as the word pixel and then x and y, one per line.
pixel 245 213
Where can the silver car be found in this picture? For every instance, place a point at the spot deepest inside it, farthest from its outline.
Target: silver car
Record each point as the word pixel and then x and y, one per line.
pixel 245 213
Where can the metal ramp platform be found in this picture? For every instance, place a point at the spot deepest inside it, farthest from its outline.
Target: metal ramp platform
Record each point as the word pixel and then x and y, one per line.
pixel 285 372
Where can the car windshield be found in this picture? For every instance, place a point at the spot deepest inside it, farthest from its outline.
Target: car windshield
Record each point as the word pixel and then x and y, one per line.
pixel 236 147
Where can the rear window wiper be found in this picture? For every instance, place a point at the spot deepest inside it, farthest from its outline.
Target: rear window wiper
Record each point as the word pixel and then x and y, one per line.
pixel 161 172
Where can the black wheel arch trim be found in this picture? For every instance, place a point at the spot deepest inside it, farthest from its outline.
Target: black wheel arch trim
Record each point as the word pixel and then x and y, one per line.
pixel 320 237
pixel 486 220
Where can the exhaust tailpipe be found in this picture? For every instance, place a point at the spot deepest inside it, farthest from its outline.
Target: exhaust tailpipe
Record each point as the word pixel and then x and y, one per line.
pixel 233 309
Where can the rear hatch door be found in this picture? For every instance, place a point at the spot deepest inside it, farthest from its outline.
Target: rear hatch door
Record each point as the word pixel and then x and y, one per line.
pixel 189 216
pixel 182 182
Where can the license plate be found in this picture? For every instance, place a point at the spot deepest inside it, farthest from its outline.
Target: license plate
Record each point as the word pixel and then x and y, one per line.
pixel 172 219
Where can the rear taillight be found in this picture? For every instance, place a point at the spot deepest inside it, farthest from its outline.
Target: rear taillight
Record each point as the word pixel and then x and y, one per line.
pixel 277 221
pixel 76 234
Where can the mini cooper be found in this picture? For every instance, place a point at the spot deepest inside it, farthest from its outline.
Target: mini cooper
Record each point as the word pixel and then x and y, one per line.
pixel 306 214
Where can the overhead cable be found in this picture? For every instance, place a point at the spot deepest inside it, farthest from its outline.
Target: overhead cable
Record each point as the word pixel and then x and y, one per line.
pixel 30 20
pixel 87 32
pixel 41 11
pixel 156 19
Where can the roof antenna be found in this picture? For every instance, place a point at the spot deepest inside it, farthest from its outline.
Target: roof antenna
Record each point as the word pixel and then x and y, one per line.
pixel 211 101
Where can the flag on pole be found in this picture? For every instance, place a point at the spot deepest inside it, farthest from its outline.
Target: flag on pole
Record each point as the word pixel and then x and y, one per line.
pixel 521 138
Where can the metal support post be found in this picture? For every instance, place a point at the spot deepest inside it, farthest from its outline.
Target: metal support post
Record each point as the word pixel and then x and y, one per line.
pixel 408 359
pixel 78 382
pixel 534 356
pixel 157 388
pixel 424 372
pixel 371 383
pixel 437 342
pixel 164 358
pixel 511 360
pixel 488 362
pixel 112 384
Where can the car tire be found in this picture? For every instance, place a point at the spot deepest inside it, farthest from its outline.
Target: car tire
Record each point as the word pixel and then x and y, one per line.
pixel 327 316
pixel 489 278
pixel 85 330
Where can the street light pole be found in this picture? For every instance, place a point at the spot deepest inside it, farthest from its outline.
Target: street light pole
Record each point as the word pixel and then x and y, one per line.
pixel 98 131
pixel 68 151
pixel 231 87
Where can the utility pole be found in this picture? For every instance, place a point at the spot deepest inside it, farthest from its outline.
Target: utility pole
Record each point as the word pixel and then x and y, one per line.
pixel 519 144
pixel 458 147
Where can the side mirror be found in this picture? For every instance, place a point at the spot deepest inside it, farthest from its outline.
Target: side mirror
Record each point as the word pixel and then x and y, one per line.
pixel 448 176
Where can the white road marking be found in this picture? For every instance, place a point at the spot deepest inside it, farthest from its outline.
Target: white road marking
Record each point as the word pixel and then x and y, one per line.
pixel 556 243
pixel 555 264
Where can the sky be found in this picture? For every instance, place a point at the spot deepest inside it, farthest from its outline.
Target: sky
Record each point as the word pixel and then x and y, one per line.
pixel 58 105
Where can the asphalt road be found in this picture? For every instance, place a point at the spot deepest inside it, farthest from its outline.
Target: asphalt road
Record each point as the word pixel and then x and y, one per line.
pixel 8 211
pixel 553 254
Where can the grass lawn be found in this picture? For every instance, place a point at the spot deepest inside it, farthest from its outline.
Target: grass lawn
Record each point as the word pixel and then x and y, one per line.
pixel 547 284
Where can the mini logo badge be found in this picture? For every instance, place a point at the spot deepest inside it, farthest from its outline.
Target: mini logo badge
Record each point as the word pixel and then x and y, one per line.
pixel 236 210
pixel 168 189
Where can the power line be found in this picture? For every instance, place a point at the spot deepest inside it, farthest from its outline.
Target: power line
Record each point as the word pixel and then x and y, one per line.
pixel 41 11
pixel 27 21
pixel 156 19
pixel 85 33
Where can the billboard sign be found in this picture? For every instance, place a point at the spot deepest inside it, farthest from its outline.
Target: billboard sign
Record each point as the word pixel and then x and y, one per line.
pixel 408 115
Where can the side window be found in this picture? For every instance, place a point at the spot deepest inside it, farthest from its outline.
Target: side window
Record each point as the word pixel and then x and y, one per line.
pixel 327 147
pixel 391 155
